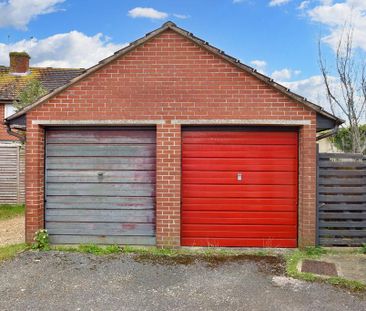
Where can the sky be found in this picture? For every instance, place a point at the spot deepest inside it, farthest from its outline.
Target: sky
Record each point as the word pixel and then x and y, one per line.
pixel 277 37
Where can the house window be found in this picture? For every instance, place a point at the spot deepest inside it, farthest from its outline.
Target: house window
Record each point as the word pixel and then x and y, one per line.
pixel 9 110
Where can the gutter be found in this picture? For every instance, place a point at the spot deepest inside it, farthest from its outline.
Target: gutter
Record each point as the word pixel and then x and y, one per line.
pixel 330 133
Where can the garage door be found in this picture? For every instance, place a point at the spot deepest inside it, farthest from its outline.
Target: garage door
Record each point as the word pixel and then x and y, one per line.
pixel 100 186
pixel 239 187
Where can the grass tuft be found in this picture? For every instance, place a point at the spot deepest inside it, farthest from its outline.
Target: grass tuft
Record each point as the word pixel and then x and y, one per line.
pixel 8 211
pixel 90 249
pixel 10 251
pixel 363 248
pixel 315 252
pixel 348 284
pixel 154 251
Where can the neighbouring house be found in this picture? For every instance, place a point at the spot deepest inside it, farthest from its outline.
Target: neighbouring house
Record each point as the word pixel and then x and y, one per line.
pixel 172 142
pixel 13 79
pixel 327 146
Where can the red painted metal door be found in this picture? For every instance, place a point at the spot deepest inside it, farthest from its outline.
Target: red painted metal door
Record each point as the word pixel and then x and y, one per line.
pixel 239 188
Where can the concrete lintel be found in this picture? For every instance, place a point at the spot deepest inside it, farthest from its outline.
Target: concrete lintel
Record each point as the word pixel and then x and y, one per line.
pixel 243 122
pixel 96 122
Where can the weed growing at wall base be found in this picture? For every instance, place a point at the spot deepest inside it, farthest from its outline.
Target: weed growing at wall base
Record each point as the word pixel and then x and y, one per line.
pixel 41 240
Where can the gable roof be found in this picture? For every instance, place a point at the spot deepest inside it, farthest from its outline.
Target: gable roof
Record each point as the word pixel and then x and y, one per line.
pixel 50 78
pixel 171 26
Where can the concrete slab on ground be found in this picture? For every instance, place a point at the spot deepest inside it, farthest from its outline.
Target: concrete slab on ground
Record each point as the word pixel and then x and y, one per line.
pixel 350 266
pixel 319 267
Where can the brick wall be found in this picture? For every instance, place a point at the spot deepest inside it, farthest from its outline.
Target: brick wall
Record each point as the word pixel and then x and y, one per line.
pixel 169 78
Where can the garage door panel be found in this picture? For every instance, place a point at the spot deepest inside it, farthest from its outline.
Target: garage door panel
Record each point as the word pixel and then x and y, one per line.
pixel 231 151
pixel 240 191
pixel 250 178
pixel 240 228
pixel 100 150
pixel 101 228
pixel 101 137
pixel 120 216
pixel 239 221
pixel 237 154
pixel 242 201
pixel 100 202
pixel 258 209
pixel 236 138
pixel 196 217
pixel 239 234
pixel 238 207
pixel 80 176
pixel 100 186
pixel 239 242
pixel 90 189
pixel 102 163
pixel 239 164
pixel 102 239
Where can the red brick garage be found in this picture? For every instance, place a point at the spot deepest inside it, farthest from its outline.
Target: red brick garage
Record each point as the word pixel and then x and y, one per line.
pixel 177 84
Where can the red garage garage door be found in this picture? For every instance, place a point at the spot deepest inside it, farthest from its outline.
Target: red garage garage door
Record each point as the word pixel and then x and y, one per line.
pixel 239 187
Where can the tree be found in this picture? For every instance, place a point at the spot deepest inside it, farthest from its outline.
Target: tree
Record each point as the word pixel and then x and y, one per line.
pixel 347 97
pixel 29 94
pixel 343 139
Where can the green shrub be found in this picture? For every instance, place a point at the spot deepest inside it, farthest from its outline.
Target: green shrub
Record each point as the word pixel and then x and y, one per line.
pixel 343 138
pixel 41 240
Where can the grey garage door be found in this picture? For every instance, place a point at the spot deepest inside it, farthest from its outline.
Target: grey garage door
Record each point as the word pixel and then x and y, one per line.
pixel 100 186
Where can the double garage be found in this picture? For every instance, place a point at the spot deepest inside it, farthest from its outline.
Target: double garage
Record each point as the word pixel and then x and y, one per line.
pixel 239 186
pixel 171 142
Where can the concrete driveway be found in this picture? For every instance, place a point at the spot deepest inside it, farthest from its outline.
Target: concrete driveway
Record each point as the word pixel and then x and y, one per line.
pixel 73 281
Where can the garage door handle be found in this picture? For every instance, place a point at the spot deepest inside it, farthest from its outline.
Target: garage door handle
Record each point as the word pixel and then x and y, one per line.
pixel 239 176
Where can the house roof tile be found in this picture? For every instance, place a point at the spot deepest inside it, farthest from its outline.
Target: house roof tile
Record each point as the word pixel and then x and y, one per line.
pixel 51 78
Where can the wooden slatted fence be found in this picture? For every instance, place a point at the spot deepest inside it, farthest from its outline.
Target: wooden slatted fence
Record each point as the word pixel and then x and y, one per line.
pixel 341 199
pixel 11 173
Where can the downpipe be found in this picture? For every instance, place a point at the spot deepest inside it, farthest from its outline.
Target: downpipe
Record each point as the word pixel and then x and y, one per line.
pixel 332 132
pixel 12 133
